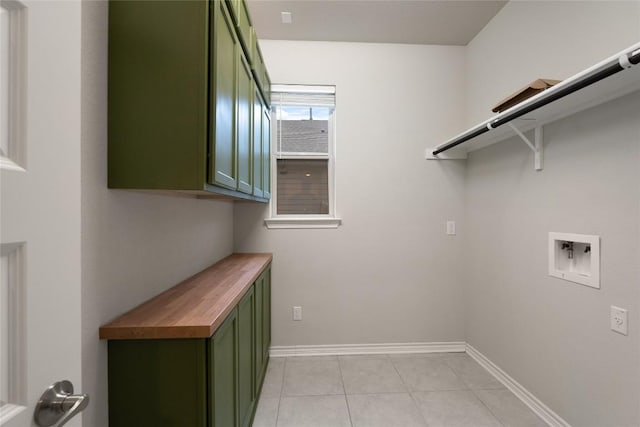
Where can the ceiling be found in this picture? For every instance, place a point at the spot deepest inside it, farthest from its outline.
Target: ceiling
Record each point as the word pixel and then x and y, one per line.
pixel 448 22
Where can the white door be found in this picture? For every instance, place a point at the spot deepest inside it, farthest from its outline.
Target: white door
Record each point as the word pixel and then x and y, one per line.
pixel 40 203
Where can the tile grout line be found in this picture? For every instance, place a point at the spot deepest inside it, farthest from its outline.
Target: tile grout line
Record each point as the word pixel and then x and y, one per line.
pixel 455 371
pixel 488 408
pixel 284 367
pixel 464 383
pixel 457 374
pixel 344 389
pixel 413 399
pixel 398 372
pixel 373 393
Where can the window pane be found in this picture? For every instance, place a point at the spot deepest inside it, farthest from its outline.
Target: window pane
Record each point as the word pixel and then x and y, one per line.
pixel 303 186
pixel 303 129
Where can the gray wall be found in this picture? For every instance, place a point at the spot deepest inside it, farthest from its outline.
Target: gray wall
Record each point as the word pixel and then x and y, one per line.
pixel 527 40
pixel 552 335
pixel 134 245
pixel 389 273
pixel 549 334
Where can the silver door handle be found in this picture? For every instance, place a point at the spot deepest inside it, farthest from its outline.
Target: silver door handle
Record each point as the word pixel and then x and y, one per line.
pixel 58 404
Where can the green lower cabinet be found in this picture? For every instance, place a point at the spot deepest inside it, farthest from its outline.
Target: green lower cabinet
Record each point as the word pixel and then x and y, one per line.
pixel 158 383
pixel 224 373
pixel 199 382
pixel 246 371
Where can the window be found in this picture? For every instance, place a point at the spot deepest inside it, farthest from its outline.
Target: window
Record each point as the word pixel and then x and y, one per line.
pixel 303 160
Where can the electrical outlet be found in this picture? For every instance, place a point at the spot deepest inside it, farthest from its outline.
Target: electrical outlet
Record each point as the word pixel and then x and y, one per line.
pixel 297 312
pixel 619 322
pixel 451 228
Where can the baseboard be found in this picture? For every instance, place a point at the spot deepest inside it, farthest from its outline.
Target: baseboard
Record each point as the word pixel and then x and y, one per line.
pixel 540 409
pixel 354 349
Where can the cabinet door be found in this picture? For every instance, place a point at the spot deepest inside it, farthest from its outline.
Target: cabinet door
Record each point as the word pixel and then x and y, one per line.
pixel 224 55
pixel 246 370
pixel 243 24
pixel 266 314
pixel 256 58
pixel 266 85
pixel 266 152
pixel 224 373
pixel 244 126
pixel 259 350
pixel 233 9
pixel 257 143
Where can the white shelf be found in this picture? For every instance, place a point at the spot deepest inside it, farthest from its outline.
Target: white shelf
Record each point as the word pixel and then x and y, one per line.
pixel 612 87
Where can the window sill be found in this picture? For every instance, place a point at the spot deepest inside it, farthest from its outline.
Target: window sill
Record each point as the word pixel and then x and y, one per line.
pixel 302 222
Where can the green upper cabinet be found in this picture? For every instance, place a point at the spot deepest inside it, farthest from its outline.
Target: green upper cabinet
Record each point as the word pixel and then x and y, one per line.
pixel 181 82
pixel 157 110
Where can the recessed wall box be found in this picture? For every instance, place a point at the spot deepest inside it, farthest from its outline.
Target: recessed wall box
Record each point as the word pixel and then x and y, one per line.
pixel 575 257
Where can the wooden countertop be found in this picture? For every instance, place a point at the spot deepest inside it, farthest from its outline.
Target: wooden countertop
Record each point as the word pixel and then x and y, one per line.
pixel 194 308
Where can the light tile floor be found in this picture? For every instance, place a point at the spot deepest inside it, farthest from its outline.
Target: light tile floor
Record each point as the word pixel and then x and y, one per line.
pixel 421 390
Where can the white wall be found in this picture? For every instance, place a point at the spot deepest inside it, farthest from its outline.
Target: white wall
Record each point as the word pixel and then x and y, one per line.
pixel 551 335
pixel 134 245
pixel 389 273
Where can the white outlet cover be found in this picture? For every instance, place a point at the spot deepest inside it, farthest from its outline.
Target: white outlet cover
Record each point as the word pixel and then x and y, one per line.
pixel 286 17
pixel 451 228
pixel 619 320
pixel 297 313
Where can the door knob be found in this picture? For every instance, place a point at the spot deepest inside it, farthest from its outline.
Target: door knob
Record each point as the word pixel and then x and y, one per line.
pixel 58 404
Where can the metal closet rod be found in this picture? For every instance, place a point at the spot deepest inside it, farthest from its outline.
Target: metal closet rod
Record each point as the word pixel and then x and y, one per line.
pixel 562 91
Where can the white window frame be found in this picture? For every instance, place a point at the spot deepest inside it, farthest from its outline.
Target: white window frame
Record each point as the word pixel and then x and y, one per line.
pixel 330 220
